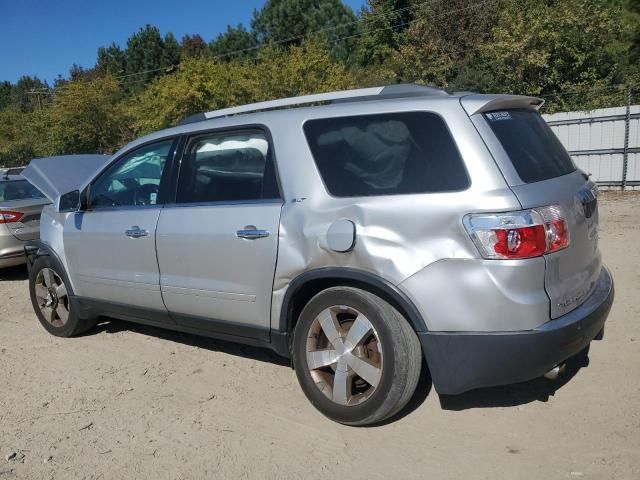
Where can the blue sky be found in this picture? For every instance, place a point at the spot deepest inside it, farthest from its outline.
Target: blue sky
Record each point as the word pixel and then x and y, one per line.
pixel 45 38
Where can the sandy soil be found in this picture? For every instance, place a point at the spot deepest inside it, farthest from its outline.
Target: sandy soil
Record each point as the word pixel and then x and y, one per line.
pixel 136 402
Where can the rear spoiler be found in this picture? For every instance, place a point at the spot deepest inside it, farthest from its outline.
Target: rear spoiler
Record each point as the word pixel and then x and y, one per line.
pixel 474 104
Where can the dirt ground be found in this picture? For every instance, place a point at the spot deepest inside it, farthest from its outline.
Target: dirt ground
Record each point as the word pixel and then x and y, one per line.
pixel 134 402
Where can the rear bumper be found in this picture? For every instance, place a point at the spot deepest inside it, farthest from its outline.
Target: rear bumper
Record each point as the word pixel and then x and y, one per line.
pixel 461 361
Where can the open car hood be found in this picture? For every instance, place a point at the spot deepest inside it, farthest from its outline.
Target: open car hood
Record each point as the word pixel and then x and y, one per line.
pixel 55 176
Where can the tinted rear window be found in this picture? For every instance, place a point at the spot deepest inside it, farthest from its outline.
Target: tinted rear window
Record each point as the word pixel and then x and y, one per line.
pixel 18 190
pixel 386 154
pixel 534 150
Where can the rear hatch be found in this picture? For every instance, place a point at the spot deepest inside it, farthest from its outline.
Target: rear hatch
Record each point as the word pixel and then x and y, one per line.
pixel 540 172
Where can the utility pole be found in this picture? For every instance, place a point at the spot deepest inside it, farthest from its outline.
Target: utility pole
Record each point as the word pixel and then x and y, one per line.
pixel 39 94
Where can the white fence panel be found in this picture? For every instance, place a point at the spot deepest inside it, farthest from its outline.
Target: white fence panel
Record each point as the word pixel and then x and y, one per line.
pixel 596 141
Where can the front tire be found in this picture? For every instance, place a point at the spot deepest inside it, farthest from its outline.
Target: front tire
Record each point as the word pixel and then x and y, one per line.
pixel 51 299
pixel 356 357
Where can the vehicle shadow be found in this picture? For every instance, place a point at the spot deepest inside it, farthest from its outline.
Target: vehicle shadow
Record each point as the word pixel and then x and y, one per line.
pixel 246 351
pixel 538 389
pixel 14 274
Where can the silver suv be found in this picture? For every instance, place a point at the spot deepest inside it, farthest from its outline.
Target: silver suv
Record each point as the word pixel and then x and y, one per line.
pixel 362 236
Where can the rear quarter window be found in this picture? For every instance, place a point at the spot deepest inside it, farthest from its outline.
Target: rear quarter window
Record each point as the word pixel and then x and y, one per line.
pixel 386 154
pixel 533 148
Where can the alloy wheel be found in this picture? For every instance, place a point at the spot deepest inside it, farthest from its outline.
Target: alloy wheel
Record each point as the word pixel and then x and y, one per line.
pixel 344 355
pixel 51 297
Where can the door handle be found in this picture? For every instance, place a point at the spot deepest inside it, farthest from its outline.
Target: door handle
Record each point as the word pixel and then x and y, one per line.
pixel 136 232
pixel 251 233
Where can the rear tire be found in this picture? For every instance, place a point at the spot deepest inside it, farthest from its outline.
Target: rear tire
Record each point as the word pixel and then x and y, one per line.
pixel 51 293
pixel 356 357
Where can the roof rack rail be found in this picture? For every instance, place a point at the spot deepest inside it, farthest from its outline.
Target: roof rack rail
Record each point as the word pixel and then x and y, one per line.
pixel 373 93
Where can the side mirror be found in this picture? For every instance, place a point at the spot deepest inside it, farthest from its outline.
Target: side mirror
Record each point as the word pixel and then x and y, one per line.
pixel 69 202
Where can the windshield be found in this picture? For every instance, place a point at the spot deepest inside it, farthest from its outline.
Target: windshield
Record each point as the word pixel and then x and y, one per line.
pixel 534 150
pixel 18 190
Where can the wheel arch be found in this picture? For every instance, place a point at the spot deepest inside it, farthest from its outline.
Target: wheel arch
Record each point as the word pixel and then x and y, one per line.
pixel 308 284
pixel 35 249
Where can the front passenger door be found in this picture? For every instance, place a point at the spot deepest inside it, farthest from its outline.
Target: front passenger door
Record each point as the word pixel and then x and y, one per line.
pixel 110 247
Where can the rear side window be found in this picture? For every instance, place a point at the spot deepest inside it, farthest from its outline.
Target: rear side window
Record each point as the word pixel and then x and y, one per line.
pixel 227 168
pixel 534 150
pixel 18 190
pixel 386 154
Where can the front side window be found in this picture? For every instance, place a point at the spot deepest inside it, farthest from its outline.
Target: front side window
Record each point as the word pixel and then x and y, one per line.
pixel 386 154
pixel 134 180
pixel 227 168
pixel 18 190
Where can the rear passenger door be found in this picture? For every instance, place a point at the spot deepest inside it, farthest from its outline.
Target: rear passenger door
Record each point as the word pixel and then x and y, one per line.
pixel 217 244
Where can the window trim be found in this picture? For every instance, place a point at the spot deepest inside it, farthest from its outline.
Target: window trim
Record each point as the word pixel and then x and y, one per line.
pixel 164 179
pixel 188 139
pixel 440 116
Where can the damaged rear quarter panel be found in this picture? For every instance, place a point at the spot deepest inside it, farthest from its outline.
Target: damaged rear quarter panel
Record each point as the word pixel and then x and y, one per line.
pixel 396 236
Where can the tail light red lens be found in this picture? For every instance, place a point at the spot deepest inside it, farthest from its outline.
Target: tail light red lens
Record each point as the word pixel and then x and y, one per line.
pixel 7 216
pixel 523 234
pixel 520 242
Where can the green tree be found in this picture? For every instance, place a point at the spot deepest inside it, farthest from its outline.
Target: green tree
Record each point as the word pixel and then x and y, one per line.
pixel 171 51
pixel 19 139
pixel 202 85
pixel 299 70
pixel 632 9
pixel 547 48
pixel 6 94
pixel 383 29
pixel 290 22
pixel 198 85
pixel 442 42
pixel 86 116
pixel 111 60
pixel 78 72
pixel 555 47
pixel 148 56
pixel 234 44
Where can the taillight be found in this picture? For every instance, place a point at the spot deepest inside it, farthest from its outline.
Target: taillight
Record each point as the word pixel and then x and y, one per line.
pixel 523 234
pixel 7 216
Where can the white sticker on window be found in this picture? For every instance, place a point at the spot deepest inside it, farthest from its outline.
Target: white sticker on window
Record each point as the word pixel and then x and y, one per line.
pixel 153 198
pixel 497 116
